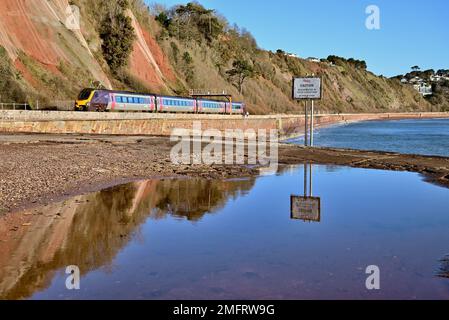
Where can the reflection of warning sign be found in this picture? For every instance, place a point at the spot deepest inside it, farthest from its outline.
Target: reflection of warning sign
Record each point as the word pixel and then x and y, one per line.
pixel 306 208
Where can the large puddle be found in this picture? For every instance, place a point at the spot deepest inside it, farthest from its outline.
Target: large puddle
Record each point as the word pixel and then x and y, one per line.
pixel 198 239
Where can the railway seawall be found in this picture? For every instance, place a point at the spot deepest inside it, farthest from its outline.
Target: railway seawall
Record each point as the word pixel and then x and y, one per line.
pixel 289 126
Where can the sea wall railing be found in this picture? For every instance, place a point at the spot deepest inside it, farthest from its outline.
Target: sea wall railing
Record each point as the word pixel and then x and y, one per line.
pixel 19 108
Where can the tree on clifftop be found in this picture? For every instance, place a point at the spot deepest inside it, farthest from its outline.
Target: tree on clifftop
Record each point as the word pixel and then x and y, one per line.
pixel 118 36
pixel 241 71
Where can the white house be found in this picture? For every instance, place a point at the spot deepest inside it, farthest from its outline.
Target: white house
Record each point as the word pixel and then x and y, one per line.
pixel 424 89
pixel 436 78
pixel 313 59
pixel 416 80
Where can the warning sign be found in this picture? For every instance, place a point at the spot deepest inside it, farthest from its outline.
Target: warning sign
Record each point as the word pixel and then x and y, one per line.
pixel 306 208
pixel 306 88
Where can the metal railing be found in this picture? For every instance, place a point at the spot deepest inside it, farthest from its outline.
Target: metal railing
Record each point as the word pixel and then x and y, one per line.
pixel 15 106
pixel 21 111
pixel 208 92
pixel 55 105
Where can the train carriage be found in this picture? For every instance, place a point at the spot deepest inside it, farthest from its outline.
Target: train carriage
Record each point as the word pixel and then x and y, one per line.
pixel 176 104
pixel 132 102
pixel 237 108
pixel 210 106
pixel 105 100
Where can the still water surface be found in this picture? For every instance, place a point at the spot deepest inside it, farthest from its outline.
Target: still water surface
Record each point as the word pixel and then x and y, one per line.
pixel 198 239
pixel 426 136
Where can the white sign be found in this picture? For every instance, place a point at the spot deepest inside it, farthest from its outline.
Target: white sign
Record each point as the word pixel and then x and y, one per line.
pixel 306 88
pixel 306 208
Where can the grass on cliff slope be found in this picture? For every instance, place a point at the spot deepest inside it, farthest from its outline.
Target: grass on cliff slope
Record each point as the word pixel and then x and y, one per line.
pixel 348 86
pixel 12 88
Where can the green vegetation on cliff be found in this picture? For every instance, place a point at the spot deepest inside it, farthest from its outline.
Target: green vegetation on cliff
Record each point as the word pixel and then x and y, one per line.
pixel 117 34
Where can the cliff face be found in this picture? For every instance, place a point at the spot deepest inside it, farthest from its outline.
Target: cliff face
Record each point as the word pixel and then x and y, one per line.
pixel 42 49
pixel 41 59
pixel 46 60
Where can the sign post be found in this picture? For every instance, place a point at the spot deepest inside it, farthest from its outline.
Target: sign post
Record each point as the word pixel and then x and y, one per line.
pixel 308 89
pixel 307 207
pixel 306 122
pixel 311 125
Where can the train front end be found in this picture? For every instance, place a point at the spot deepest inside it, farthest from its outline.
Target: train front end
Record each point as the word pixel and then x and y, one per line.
pixel 84 99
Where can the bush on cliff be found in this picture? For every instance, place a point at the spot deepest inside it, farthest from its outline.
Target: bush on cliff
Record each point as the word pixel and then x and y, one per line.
pixel 117 34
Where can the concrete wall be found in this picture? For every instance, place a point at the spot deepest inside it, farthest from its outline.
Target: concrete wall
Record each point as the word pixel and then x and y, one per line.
pixel 163 124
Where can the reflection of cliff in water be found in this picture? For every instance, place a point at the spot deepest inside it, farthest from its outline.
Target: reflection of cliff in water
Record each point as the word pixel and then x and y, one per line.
pixel 89 231
pixel 191 199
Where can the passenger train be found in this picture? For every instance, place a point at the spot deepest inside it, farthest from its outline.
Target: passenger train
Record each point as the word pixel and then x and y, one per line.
pixel 108 100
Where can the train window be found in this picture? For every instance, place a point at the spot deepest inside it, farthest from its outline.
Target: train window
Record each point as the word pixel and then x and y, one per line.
pixel 118 99
pixel 84 94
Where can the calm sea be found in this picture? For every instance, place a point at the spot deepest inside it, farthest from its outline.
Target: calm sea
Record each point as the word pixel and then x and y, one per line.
pixel 426 137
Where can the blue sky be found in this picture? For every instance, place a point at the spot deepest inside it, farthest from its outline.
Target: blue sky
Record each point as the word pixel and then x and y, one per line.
pixel 411 32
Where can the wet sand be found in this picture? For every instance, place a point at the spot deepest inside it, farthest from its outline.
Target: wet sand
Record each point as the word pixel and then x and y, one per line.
pixel 39 169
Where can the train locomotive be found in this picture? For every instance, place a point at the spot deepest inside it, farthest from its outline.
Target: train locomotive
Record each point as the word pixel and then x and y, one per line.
pixel 109 100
